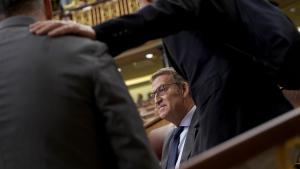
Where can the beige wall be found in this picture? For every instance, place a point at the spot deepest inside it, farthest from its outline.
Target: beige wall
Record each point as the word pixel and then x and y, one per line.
pixel 143 88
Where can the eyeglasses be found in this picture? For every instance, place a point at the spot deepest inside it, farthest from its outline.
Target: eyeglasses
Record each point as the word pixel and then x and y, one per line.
pixel 161 90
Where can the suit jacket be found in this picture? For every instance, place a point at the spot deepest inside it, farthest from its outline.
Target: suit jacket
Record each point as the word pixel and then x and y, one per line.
pixel 189 142
pixel 230 52
pixel 64 105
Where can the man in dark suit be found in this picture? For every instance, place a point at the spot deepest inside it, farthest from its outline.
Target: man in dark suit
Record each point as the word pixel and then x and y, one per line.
pixel 232 52
pixel 174 103
pixel 63 102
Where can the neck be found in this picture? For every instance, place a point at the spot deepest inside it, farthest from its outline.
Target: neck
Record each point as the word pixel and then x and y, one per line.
pixel 189 103
pixel 38 15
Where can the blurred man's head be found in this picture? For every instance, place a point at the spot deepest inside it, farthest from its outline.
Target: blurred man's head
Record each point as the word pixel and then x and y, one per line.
pixel 171 95
pixel 35 8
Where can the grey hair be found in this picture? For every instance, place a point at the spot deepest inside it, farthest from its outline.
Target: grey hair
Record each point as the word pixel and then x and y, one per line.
pixel 168 71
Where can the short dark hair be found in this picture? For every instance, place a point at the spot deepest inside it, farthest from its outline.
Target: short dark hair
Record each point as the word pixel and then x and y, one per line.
pixel 15 7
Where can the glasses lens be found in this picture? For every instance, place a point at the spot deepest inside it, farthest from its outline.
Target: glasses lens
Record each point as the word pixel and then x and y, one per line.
pixel 161 90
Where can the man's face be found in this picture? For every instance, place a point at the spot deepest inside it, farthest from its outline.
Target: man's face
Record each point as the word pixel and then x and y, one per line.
pixel 168 97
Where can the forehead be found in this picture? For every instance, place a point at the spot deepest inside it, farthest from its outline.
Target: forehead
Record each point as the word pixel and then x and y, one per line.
pixel 160 80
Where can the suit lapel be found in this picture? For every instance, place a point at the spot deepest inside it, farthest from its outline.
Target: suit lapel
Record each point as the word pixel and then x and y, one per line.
pixel 165 150
pixel 190 138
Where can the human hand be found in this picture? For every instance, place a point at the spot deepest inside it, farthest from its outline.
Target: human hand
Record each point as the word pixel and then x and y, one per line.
pixel 59 28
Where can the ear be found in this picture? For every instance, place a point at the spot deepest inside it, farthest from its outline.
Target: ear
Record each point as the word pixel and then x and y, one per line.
pixel 185 89
pixel 48 9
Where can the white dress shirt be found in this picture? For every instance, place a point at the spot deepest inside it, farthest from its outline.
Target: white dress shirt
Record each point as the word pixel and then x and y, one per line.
pixel 186 121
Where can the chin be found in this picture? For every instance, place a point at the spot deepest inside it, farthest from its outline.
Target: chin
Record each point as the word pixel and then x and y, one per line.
pixel 162 115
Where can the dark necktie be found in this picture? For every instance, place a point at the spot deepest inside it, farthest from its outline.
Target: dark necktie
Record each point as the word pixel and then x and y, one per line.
pixel 173 148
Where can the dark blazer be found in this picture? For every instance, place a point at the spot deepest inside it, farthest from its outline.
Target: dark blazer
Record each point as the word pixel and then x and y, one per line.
pixel 189 144
pixel 64 105
pixel 230 52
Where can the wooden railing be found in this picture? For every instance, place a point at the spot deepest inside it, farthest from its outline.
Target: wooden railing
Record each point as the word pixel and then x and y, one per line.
pixel 279 134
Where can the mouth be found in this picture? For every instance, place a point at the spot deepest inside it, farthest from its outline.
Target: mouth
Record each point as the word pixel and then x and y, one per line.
pixel 161 107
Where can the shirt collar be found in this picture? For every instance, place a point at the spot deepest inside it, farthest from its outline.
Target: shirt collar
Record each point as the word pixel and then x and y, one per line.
pixel 16 21
pixel 186 121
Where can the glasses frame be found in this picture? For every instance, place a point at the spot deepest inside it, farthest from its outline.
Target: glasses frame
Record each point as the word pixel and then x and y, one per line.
pixel 162 89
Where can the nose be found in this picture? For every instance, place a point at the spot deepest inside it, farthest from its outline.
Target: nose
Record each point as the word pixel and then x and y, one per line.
pixel 157 100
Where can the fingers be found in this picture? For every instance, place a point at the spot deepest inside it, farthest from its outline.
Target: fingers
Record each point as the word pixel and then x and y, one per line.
pixel 52 28
pixel 34 27
pixel 61 30
pixel 58 28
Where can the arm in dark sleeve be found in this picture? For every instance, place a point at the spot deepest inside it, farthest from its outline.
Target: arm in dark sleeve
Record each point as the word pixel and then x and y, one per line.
pixel 122 124
pixel 161 19
pixel 268 40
